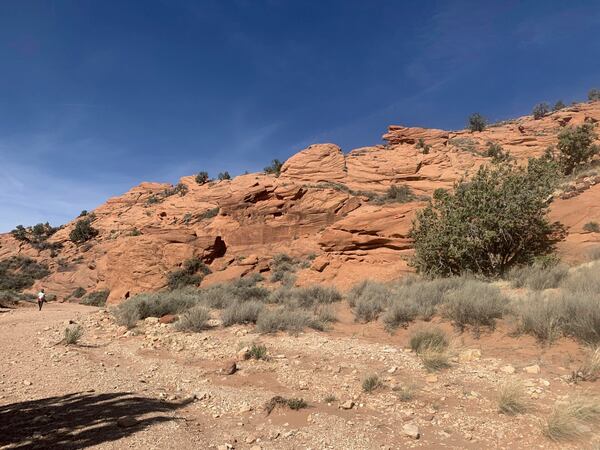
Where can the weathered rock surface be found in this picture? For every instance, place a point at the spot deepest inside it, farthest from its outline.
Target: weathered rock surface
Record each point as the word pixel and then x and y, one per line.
pixel 321 204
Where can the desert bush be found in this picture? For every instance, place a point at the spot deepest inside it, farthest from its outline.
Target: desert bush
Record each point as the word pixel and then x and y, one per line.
pixel 286 319
pixel 421 145
pixel 405 393
pixel 78 292
pixel 594 95
pixel 72 334
pixel 258 351
pixel 512 398
pixel 306 297
pixel 179 189
pixel 9 298
pixel 576 147
pixel 370 383
pixel 496 152
pixel 326 314
pixel 369 299
pixel 489 224
pixel 567 417
pixel 593 254
pixel 434 360
pixel 590 369
pixel 296 403
pixel 592 227
pixel 540 317
pixel 20 272
pixel 476 304
pixel 241 313
pixel 224 176
pixel 558 106
pixel 192 273
pixel 582 316
pixel 582 280
pixel 209 213
pixel 400 194
pixel 399 314
pixel 432 338
pixel 330 398
pixel 274 168
pixel 96 298
pixel 537 277
pixel 281 265
pixel 202 178
pixel 194 319
pixel 476 122
pixel 540 110
pixel 83 231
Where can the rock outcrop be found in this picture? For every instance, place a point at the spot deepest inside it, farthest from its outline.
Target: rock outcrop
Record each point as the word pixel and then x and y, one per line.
pixel 321 204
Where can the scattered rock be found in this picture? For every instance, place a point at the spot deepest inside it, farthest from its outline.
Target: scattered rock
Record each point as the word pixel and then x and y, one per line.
pixel 168 318
pixel 471 354
pixel 532 369
pixel 229 368
pixel 243 354
pixel 411 430
pixel 507 369
pixel 431 378
pixel 348 404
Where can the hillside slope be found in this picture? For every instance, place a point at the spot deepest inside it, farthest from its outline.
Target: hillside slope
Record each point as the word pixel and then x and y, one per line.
pixel 324 203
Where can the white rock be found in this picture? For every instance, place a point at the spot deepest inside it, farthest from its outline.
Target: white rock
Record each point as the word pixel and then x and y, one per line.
pixel 411 430
pixel 532 369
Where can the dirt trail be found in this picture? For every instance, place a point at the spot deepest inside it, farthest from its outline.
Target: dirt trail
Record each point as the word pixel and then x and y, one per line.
pixel 155 388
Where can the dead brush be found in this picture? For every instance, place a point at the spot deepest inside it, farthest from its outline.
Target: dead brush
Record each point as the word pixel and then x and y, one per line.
pixel 370 383
pixel 590 369
pixel 512 398
pixel 72 334
pixel 570 419
pixel 292 403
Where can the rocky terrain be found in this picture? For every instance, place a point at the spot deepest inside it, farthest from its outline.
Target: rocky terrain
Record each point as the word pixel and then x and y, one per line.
pixel 323 204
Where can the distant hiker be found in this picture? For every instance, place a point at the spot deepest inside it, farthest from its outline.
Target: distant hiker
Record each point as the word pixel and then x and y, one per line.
pixel 41 298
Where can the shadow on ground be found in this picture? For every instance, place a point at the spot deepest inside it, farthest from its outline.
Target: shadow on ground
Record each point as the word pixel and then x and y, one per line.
pixel 79 420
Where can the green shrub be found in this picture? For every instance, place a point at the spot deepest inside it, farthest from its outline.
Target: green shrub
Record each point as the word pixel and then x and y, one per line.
pixel 20 272
pixel 202 178
pixel 286 319
pixel 97 298
pixel 592 227
pixel 476 304
pixel 558 106
pixel 224 176
pixel 194 319
pixel 576 147
pixel 489 224
pixel 296 403
pixel 541 317
pixel 307 297
pixel 594 95
pixel 78 292
pixel 274 168
pixel 496 152
pixel 541 110
pixel 209 213
pixel 258 351
pixel 421 145
pixel 241 313
pixel 400 313
pixel 83 231
pixel 476 122
pixel 428 338
pixel 192 273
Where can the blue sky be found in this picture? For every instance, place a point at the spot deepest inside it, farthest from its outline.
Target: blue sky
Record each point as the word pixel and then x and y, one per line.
pixel 98 96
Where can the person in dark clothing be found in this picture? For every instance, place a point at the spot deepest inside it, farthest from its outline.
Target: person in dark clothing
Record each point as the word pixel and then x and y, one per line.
pixel 41 298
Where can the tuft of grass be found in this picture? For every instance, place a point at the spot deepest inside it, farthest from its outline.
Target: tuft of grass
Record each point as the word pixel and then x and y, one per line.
pixel 330 399
pixel 432 338
pixel 368 299
pixel 194 319
pixel 72 334
pixel 286 319
pixel 326 314
pixel 400 313
pixel 405 393
pixel 540 317
pixel 592 227
pixel 512 398
pixel 593 254
pixel 566 419
pixel 590 369
pixel 476 304
pixel 433 359
pixel 370 383
pixel 258 351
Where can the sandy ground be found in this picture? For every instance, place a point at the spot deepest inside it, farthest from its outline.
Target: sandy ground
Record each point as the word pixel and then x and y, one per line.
pixel 155 388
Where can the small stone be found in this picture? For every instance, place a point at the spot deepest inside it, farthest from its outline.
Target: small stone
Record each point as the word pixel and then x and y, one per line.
pixel 507 369
pixel 544 382
pixel 229 368
pixel 392 369
pixel 471 354
pixel 349 404
pixel 126 422
pixel 431 378
pixel 532 369
pixel 151 320
pixel 243 354
pixel 411 430
pixel 27 383
pixel 168 318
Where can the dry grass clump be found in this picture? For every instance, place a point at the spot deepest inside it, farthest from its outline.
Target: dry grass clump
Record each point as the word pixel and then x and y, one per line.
pixel 590 369
pixel 433 359
pixel 541 317
pixel 72 334
pixel 476 304
pixel 405 393
pixel 538 277
pixel 241 313
pixel 326 314
pixel 330 398
pixel 570 419
pixel 370 383
pixel 593 254
pixel 512 398
pixel 431 338
pixel 400 313
pixel 286 319
pixel 258 351
pixel 368 299
pixel 194 319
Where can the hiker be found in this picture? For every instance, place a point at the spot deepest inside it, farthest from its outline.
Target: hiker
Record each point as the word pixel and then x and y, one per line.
pixel 41 298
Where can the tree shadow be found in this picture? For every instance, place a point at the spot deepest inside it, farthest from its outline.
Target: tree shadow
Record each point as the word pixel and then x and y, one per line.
pixel 79 420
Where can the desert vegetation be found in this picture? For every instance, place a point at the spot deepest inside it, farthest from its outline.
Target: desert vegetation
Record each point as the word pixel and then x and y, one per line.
pixel 476 122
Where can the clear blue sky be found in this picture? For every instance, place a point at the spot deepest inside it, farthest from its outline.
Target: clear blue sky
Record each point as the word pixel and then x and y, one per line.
pixel 97 96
